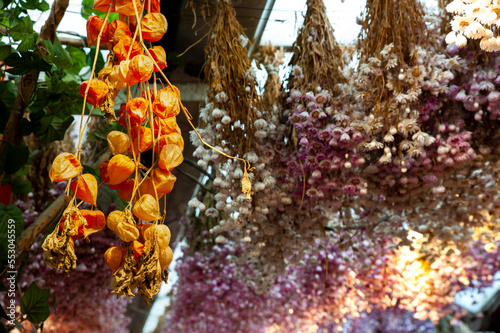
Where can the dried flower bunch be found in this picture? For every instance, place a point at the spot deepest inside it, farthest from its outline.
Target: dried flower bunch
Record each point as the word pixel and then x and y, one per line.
pixel 475 19
pixel 149 124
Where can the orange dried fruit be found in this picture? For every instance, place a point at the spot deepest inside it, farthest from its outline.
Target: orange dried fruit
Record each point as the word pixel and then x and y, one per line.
pixel 138 248
pixel 125 191
pixel 103 5
pixel 148 187
pixel 115 218
pixel 76 221
pixel 123 46
pixel 126 7
pixel 142 138
pixel 166 103
pixel 170 157
pixel 169 139
pixel 97 91
pixel 114 257
pixel 94 26
pixel 85 187
pixel 162 233
pixel 146 208
pixel 117 30
pixel 153 26
pixel 164 180
pixel 120 167
pixel 65 166
pixel 141 67
pixel 137 109
pixel 166 257
pixel 96 221
pixel 145 227
pixel 165 126
pixel 118 142
pixel 159 56
pixel 127 231
pixel 154 7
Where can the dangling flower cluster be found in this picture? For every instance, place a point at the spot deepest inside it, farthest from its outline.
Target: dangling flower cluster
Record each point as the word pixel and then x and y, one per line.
pixel 474 19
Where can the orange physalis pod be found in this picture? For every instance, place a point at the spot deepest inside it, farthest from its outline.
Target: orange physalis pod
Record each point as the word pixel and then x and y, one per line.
pixel 126 190
pixel 76 221
pixel 123 46
pixel 120 167
pixel 97 91
pixel 85 187
pixel 154 7
pixel 115 218
pixel 65 166
pixel 166 257
pixel 166 103
pixel 95 221
pixel 118 142
pixel 164 180
pixel 159 56
pixel 105 177
pixel 148 187
pixel 142 138
pixel 153 26
pixel 170 157
pixel 146 208
pixel 141 67
pixel 169 139
pixel 162 235
pixel 143 230
pixel 137 109
pixel 125 74
pixel 126 7
pixel 152 92
pixel 103 5
pixel 138 248
pixel 165 126
pixel 127 231
pixel 94 25
pixel 117 30
pixel 114 257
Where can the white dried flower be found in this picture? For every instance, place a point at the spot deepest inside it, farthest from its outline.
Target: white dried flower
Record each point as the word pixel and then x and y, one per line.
pixel 226 120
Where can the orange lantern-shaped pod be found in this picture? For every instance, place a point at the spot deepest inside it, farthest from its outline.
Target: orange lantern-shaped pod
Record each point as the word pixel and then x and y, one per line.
pixel 95 221
pixel 97 91
pixel 152 93
pixel 94 26
pixel 148 187
pixel 125 74
pixel 141 67
pixel 65 166
pixel 166 103
pixel 152 6
pixel 105 177
pixel 85 187
pixel 170 157
pixel 120 167
pixel 118 142
pixel 159 56
pixel 169 139
pixel 126 7
pixel 164 180
pixel 166 257
pixel 123 46
pixel 146 208
pixel 122 119
pixel 162 235
pixel 165 126
pixel 76 221
pixel 117 30
pixel 142 139
pixel 138 248
pixel 153 26
pixel 137 109
pixel 126 190
pixel 114 257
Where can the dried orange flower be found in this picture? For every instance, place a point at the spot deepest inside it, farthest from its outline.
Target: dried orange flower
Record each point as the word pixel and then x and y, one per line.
pixel 141 67
pixel 122 48
pixel 137 109
pixel 169 139
pixel 124 73
pixel 166 257
pixel 166 103
pixel 170 157
pixel 146 208
pixel 103 5
pixel 165 126
pixel 94 25
pixel 95 221
pixel 142 138
pixel 64 167
pixel 118 142
pixel 126 190
pixel 85 187
pixel 138 248
pixel 164 180
pixel 153 26
pixel 123 224
pixel 120 167
pixel 126 7
pixel 97 91
pixel 159 56
pixel 117 30
pixel 114 257
pixel 162 235
pixel 154 7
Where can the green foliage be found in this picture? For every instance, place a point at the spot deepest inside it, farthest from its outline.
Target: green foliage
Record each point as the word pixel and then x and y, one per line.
pixel 35 303
pixel 23 31
pixel 24 62
pixel 7 215
pixel 88 10
pixel 13 158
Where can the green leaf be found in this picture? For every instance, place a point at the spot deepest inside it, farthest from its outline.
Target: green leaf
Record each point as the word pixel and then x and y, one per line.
pixel 49 47
pixel 53 128
pixel 59 61
pixel 35 304
pixel 5 51
pixel 13 158
pixel 22 30
pixel 11 227
pixel 21 186
pixel 87 6
pixel 89 169
pixel 78 59
pixel 24 62
pixel 28 43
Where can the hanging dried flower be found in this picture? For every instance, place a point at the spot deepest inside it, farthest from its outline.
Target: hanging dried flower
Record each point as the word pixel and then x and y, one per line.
pixel 117 30
pixel 159 56
pixel 166 103
pixel 148 187
pixel 94 25
pixel 137 109
pixel 103 5
pixel 147 208
pixel 114 257
pixel 126 7
pixel 138 248
pixel 65 166
pixel 166 257
pixel 165 126
pixel 153 26
pixel 120 167
pixel 164 180
pixel 142 138
pixel 97 91
pixel 118 142
pixel 170 157
pixel 141 67
pixel 95 221
pixel 152 6
pixel 85 187
pixel 126 190
pixel 123 46
pixel 169 139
